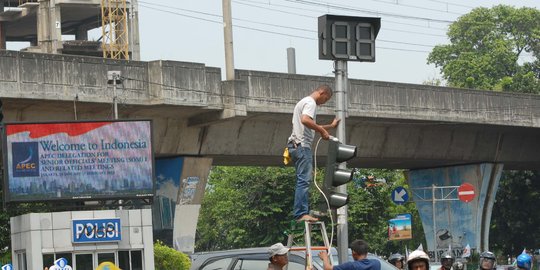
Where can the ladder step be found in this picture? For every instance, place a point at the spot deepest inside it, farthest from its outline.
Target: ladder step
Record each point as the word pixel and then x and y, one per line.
pixel 305 248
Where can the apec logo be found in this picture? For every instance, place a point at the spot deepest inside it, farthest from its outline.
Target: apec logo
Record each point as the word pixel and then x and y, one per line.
pixel 25 159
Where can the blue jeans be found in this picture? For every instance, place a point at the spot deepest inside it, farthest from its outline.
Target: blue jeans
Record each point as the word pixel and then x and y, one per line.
pixel 303 163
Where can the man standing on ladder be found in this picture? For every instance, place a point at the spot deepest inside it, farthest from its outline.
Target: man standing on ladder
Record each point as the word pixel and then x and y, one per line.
pixel 299 146
pixel 359 253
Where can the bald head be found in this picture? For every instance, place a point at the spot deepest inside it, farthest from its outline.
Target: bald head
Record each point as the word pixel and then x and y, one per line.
pixel 322 94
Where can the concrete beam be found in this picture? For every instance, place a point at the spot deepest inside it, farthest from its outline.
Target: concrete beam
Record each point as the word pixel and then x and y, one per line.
pixel 246 121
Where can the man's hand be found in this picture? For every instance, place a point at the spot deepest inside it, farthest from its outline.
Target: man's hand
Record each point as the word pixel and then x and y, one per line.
pixel 323 254
pixel 326 262
pixel 324 134
pixel 335 122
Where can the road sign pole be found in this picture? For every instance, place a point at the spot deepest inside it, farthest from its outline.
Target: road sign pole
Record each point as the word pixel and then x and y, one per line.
pixel 341 113
pixel 434 222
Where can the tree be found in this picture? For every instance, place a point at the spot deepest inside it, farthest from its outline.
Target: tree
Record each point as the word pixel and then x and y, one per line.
pixel 251 207
pixel 372 207
pixel 494 49
pixel 514 226
pixel 499 49
pixel 246 207
pixel 166 258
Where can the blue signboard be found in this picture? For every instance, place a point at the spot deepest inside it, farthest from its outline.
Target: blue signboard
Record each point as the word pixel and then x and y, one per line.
pixel 7 267
pixel 400 195
pixel 96 230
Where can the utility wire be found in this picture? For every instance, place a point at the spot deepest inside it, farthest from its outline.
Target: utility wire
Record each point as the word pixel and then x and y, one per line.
pixel 375 12
pixel 318 11
pixel 281 26
pixel 453 4
pixel 396 3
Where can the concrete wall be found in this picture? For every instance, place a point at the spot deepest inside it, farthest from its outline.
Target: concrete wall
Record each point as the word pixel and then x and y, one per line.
pixel 63 77
pixel 246 121
pixel 279 92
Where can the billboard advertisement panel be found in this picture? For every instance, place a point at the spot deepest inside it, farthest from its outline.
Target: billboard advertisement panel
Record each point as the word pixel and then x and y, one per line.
pixel 400 227
pixel 78 160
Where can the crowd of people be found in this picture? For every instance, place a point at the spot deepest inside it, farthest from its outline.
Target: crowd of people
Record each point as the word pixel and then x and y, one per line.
pixel 417 260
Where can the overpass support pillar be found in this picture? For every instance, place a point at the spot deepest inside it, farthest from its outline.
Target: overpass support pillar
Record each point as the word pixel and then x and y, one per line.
pixel 49 27
pixel 448 220
pixel 180 187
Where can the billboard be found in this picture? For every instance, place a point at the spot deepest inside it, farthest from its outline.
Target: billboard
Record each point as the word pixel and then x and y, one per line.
pixel 88 160
pixel 400 227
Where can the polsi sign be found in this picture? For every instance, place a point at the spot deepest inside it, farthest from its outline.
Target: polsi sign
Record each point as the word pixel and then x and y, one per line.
pixel 96 230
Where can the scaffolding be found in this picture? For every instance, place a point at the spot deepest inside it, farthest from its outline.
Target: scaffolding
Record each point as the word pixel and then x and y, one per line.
pixel 114 27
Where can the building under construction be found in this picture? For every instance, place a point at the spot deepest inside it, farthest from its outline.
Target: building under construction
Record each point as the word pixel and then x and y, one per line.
pixel 62 26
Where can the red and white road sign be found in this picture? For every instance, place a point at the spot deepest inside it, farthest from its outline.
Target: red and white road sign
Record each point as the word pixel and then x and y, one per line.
pixel 466 192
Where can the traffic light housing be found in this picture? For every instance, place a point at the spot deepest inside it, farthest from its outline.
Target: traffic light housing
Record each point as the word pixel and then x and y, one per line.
pixel 336 176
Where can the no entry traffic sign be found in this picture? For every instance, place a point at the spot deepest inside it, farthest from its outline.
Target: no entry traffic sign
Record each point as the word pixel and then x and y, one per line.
pixel 466 192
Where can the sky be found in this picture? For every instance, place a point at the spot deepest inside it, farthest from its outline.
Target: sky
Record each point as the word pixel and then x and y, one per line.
pixel 192 31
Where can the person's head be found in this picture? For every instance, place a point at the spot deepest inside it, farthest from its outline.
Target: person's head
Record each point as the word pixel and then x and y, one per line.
pixel 447 260
pixel 396 259
pixel 418 260
pixel 524 261
pixel 359 249
pixel 487 260
pixel 277 254
pixel 322 94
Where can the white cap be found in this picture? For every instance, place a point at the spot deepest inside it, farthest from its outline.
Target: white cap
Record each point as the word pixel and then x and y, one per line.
pixel 277 249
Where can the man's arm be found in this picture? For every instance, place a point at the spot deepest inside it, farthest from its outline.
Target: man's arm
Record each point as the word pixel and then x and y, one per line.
pixel 308 122
pixel 332 125
pixel 326 262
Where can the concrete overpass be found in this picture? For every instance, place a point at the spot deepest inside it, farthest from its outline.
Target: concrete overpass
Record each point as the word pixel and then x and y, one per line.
pixel 247 121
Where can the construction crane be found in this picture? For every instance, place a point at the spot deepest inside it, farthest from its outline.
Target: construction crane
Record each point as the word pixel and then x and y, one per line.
pixel 114 27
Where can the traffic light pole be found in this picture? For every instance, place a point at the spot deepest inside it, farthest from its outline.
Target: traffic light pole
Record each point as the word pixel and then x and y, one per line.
pixel 341 113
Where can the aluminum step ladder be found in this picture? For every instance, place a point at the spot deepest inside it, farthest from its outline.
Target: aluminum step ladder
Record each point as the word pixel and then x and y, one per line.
pixel 305 229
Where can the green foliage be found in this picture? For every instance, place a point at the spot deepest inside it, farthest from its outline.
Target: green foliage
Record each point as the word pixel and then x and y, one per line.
pixel 499 49
pixel 246 207
pixel 371 208
pixel 487 47
pixel 251 206
pixel 514 225
pixel 5 257
pixel 166 258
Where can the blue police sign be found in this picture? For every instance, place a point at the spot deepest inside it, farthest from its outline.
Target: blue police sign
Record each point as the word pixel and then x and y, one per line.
pixel 7 267
pixel 96 230
pixel 400 195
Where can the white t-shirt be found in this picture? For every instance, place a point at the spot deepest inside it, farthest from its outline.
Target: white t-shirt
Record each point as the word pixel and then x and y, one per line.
pixel 300 133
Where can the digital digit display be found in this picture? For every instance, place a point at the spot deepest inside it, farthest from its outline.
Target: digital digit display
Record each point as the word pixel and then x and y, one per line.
pixel 348 38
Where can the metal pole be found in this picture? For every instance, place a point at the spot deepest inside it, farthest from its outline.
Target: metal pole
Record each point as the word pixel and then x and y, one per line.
pixel 291 61
pixel 341 113
pixel 434 222
pixel 228 39
pixel 115 103
pixel 115 108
